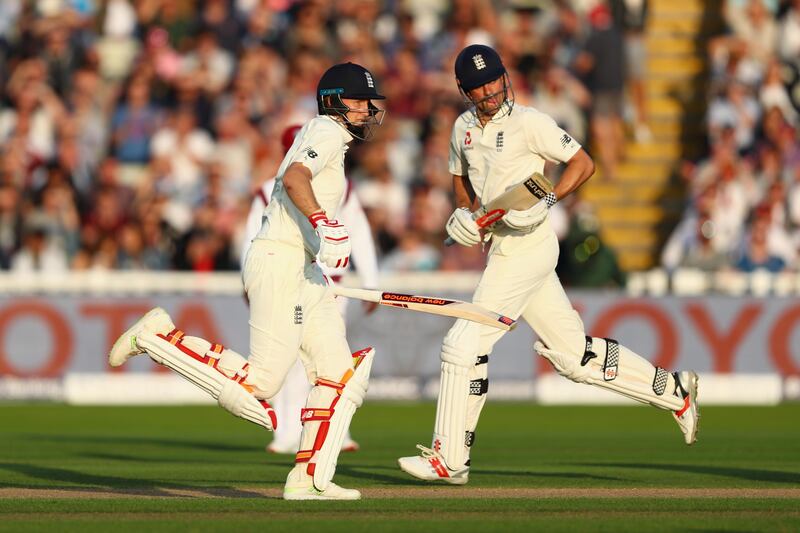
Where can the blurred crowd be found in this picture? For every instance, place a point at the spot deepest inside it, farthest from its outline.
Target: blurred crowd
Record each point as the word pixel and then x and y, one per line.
pixel 134 132
pixel 744 211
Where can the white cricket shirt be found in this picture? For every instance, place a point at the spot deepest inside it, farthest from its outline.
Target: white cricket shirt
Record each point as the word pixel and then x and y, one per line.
pixel 320 146
pixel 507 150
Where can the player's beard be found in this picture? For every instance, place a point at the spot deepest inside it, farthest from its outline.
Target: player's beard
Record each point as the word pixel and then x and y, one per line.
pixel 485 111
pixel 486 108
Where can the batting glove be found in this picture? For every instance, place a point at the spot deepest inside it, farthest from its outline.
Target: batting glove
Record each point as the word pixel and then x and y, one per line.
pixel 462 228
pixel 334 241
pixel 529 219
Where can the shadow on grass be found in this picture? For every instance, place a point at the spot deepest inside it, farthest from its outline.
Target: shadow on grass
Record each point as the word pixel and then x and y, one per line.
pixel 61 478
pixel 750 474
pixel 402 478
pixel 214 459
pixel 169 443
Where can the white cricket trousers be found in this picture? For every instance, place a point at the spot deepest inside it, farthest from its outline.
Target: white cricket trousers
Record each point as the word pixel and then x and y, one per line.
pixel 520 280
pixel 291 306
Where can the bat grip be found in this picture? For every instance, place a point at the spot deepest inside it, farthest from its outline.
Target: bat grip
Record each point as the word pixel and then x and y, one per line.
pixel 482 219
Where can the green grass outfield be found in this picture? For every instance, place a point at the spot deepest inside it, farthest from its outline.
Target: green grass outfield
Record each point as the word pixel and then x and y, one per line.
pixel 546 468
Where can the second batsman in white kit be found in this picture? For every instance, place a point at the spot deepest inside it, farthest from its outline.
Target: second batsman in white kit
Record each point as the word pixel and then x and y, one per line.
pixel 292 309
pixel 494 146
pixel 289 401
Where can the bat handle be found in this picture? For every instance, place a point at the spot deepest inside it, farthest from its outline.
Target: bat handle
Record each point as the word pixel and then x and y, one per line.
pixel 479 216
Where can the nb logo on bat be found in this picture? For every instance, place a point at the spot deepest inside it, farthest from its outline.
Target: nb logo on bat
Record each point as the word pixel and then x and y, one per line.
pixel 394 297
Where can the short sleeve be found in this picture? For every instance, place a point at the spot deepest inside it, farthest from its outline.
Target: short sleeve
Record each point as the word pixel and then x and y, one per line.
pixel 457 162
pixel 548 140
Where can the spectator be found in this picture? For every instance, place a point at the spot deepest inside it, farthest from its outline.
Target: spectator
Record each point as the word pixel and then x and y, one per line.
pixel 602 64
pixel 188 150
pixel 38 254
pixel 412 254
pixel 734 108
pixel 789 34
pixel 208 66
pixel 756 254
pixel 631 16
pixel 562 97
pixel 10 223
pixel 134 123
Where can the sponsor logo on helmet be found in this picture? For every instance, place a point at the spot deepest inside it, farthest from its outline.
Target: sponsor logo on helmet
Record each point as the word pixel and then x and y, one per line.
pixel 480 64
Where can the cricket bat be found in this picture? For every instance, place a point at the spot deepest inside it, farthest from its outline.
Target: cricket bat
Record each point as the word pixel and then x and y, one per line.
pixel 430 304
pixel 519 197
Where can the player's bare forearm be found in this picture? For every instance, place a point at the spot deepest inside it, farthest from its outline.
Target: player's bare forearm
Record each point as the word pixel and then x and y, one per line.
pixel 579 169
pixel 297 181
pixel 462 190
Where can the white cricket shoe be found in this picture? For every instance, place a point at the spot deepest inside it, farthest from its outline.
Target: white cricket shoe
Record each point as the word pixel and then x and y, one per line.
pixel 349 445
pixel 300 486
pixel 430 466
pixel 156 320
pixel 688 417
pixel 283 447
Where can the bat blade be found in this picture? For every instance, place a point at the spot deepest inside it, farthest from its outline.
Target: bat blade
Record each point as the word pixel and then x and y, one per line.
pixel 432 305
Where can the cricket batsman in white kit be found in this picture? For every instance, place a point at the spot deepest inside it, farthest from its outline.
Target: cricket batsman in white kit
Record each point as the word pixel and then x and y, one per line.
pixel 289 401
pixel 292 308
pixel 494 146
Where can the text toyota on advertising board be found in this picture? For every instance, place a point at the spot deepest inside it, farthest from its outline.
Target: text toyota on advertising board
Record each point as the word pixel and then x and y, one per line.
pixel 47 337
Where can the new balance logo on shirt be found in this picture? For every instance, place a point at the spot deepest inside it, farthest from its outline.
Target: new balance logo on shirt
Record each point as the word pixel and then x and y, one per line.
pixel 565 140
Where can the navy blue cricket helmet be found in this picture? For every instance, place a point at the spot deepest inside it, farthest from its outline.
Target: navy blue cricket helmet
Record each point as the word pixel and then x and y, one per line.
pixel 349 80
pixel 477 65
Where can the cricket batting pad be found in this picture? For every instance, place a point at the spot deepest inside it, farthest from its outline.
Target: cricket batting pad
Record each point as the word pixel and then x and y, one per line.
pixel 326 418
pixel 609 365
pixel 220 372
pixel 451 415
pixel 478 387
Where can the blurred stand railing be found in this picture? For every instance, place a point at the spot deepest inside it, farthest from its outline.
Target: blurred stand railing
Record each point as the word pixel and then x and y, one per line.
pixel 694 282
pixel 651 283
